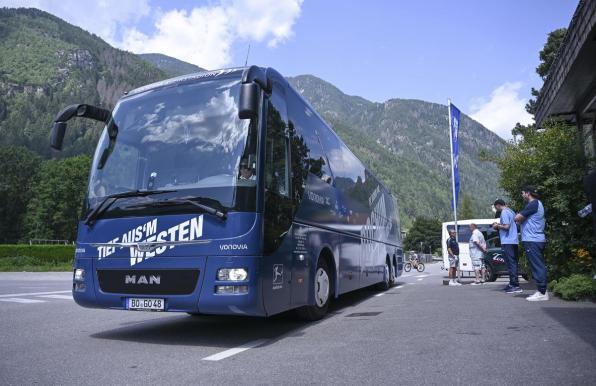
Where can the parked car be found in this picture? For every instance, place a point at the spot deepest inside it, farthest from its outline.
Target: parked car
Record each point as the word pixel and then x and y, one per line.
pixel 494 261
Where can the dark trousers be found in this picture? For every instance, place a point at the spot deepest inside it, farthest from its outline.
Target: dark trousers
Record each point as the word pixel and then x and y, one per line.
pixel 535 254
pixel 511 254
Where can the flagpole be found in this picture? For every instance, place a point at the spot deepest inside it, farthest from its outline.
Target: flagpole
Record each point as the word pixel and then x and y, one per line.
pixel 452 172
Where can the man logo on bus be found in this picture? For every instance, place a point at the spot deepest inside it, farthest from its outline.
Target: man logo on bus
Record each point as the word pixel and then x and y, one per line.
pixel 278 275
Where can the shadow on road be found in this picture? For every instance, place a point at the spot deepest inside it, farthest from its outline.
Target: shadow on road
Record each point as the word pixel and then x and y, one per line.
pixel 223 331
pixel 578 320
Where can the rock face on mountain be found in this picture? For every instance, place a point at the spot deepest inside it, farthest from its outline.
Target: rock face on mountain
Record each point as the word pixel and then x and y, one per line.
pixel 47 64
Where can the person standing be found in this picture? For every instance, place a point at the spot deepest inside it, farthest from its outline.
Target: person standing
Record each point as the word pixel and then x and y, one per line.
pixel 477 250
pixel 453 255
pixel 509 244
pixel 532 223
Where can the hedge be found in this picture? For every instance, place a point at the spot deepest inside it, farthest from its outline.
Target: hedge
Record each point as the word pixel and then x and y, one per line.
pixel 575 287
pixel 45 253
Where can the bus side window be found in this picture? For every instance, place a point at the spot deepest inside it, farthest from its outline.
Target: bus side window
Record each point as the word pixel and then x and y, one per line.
pixel 276 167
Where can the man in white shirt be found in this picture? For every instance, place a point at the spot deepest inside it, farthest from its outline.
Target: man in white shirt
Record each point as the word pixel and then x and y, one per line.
pixel 477 250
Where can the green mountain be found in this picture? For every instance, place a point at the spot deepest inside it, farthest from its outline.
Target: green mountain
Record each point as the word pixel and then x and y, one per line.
pixel 170 66
pixel 47 64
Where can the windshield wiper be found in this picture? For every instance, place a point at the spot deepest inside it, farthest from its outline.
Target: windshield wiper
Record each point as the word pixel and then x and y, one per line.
pixel 180 201
pixel 112 198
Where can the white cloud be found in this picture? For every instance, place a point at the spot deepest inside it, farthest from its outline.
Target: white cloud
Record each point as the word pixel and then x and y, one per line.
pixel 503 110
pixel 201 36
pixel 204 35
pixel 105 18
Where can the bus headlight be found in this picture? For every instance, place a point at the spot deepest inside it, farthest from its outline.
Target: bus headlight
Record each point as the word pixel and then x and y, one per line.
pixel 79 275
pixel 232 274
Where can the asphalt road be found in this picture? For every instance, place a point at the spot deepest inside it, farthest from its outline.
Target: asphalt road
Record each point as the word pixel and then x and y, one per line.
pixel 419 332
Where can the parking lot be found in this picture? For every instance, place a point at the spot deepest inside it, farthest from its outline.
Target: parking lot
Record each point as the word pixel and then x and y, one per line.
pixel 419 332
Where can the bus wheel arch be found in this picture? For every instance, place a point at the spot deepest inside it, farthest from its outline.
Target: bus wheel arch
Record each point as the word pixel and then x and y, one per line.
pixel 323 287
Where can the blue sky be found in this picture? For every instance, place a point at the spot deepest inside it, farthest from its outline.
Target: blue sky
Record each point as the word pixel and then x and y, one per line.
pixel 481 54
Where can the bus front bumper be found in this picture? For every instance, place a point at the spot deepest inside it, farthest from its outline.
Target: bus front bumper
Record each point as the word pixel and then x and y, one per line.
pixel 204 285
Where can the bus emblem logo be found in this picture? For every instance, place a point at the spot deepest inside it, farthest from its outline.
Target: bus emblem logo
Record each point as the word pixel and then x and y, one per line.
pixel 278 276
pixel 132 279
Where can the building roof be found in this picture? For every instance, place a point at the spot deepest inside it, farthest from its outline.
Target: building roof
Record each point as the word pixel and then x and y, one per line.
pixel 570 88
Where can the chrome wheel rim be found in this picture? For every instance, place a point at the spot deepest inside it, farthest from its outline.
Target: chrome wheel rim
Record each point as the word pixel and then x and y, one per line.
pixel 321 287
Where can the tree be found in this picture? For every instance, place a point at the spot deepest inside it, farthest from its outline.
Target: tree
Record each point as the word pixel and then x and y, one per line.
pixel 551 159
pixel 425 232
pixel 19 168
pixel 547 58
pixel 550 51
pixel 57 195
pixel 466 209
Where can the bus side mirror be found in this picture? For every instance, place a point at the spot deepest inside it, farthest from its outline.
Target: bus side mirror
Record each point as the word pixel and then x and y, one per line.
pixel 83 111
pixel 57 136
pixel 249 101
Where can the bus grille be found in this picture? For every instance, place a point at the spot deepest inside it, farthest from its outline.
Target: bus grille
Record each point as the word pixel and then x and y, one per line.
pixel 148 281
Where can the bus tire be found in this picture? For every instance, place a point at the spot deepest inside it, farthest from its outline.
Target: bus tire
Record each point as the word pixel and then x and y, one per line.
pixel 322 290
pixel 386 283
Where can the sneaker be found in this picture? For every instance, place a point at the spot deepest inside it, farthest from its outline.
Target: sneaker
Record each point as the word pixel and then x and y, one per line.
pixel 514 290
pixel 454 283
pixel 507 287
pixel 537 297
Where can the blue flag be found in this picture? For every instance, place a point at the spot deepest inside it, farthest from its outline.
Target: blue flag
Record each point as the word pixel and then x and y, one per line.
pixel 454 127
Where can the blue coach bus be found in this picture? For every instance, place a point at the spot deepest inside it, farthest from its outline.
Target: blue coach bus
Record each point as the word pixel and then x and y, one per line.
pixel 224 192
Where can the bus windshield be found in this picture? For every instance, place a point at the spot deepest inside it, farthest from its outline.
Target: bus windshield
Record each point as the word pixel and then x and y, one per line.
pixel 186 139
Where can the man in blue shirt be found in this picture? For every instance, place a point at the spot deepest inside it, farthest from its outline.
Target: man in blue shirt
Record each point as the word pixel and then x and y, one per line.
pixel 509 244
pixel 532 222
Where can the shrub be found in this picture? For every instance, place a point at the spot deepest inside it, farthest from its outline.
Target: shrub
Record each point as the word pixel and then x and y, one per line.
pixel 575 287
pixel 51 254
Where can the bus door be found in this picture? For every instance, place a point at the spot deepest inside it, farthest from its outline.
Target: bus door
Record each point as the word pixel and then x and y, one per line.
pixel 277 216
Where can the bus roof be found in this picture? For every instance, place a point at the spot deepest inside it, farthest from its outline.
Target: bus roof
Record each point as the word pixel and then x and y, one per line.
pixel 186 78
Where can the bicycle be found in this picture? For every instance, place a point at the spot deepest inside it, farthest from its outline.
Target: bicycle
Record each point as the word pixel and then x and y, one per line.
pixel 414 263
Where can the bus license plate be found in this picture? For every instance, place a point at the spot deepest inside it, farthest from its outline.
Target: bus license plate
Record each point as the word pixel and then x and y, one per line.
pixel 145 304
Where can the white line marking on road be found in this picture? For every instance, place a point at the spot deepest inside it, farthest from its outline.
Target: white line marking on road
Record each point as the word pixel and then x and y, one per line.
pixel 419 279
pixel 65 297
pixel 399 286
pixel 18 300
pixel 235 350
pixel 422 275
pixel 34 294
pixel 377 295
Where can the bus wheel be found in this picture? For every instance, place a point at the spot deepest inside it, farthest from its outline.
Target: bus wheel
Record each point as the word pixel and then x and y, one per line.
pixel 322 294
pixel 386 283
